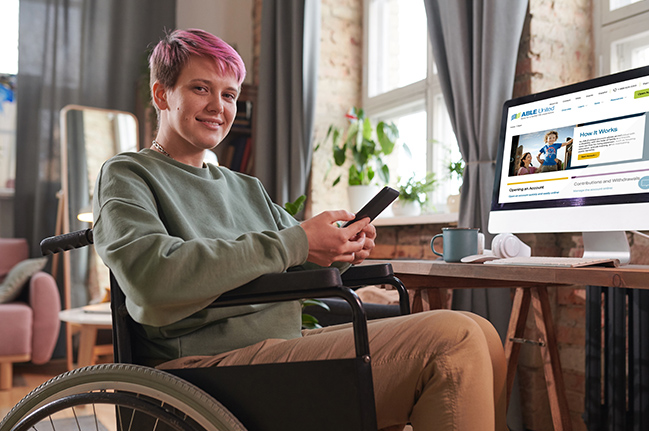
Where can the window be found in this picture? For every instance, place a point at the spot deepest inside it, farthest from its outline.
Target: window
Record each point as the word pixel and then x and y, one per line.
pixel 8 71
pixel 9 37
pixel 401 85
pixel 621 35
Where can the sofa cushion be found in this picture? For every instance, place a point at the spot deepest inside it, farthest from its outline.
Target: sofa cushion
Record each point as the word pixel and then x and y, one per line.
pixel 15 329
pixel 12 251
pixel 18 275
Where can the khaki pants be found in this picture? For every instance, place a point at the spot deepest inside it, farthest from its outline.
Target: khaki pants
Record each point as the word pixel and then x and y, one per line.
pixel 438 370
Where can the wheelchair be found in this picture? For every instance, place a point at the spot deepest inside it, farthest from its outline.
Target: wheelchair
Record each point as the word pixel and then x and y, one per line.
pixel 325 395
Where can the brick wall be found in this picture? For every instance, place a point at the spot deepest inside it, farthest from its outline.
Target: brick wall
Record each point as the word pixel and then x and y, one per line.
pixel 339 88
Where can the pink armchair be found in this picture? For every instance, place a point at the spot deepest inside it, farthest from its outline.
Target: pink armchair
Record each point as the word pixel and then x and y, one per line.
pixel 29 325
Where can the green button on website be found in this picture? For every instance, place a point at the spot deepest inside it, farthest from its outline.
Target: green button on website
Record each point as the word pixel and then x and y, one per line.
pixel 641 93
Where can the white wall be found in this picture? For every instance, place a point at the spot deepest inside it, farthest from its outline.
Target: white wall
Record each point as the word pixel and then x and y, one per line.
pixel 231 20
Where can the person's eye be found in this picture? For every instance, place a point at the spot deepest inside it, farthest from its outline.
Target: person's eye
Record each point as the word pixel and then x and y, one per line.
pixel 230 96
pixel 200 89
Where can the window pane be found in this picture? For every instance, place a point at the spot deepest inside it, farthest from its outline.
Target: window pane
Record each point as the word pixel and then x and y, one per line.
pixel 9 37
pixel 412 133
pixel 616 4
pixel 630 52
pixel 397 44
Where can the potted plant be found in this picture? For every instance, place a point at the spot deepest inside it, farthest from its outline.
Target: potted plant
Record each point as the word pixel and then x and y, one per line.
pixel 365 145
pixel 413 195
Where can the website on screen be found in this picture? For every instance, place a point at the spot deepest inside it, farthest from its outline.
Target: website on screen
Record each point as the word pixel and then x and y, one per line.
pixel 584 144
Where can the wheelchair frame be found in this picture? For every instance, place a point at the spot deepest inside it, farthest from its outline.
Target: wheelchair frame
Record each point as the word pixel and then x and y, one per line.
pixel 257 397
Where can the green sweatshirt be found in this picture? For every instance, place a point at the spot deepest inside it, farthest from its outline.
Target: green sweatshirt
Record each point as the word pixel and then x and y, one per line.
pixel 177 236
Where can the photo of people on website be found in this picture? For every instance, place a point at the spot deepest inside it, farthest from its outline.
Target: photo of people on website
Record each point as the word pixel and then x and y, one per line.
pixel 613 141
pixel 543 151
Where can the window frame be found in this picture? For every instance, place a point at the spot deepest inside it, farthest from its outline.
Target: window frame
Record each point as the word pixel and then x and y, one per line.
pixel 425 94
pixel 611 26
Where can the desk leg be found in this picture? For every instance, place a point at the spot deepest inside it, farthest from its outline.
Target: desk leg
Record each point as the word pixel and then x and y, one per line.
pixel 551 362
pixel 538 298
pixel 423 300
pixel 520 309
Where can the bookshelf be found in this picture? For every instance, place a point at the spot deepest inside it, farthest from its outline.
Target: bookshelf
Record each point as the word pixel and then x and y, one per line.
pixel 235 151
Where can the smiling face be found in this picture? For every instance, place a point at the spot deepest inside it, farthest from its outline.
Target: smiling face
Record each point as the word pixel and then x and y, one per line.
pixel 197 112
pixel 527 159
pixel 551 139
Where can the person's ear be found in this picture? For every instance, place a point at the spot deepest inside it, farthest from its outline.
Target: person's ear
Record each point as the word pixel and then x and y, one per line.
pixel 159 95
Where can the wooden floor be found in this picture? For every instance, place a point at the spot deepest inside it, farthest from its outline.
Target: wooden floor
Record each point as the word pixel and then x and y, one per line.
pixel 27 377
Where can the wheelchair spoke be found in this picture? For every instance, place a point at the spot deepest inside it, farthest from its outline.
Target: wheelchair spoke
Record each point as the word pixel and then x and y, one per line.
pixel 76 419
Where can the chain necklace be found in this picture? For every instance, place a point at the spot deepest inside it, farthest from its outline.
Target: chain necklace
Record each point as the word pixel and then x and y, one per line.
pixel 161 149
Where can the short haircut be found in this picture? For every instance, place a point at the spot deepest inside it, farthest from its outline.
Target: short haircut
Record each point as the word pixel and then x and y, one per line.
pixel 172 53
pixel 551 132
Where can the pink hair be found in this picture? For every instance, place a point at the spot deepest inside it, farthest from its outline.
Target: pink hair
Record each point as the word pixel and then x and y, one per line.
pixel 172 53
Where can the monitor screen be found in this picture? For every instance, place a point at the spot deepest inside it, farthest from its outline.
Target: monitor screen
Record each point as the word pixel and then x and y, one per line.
pixel 575 159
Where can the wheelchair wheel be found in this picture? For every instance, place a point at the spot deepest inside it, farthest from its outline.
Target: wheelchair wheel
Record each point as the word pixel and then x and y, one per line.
pixel 119 397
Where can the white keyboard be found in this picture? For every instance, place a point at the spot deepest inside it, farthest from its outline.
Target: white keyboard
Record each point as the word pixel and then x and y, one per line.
pixel 568 262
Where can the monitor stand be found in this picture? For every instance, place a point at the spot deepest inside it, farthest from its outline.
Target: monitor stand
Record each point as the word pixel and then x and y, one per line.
pixel 607 245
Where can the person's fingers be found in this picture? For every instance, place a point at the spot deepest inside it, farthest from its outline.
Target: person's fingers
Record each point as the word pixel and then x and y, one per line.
pixel 357 227
pixel 337 215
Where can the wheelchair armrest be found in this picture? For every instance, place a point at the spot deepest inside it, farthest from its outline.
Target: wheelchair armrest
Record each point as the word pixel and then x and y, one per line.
pixel 290 284
pixel 317 283
pixel 382 273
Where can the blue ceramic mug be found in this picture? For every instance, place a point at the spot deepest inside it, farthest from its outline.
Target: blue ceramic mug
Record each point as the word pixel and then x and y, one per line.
pixel 457 242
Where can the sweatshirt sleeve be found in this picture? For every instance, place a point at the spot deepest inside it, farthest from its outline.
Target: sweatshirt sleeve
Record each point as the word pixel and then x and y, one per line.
pixel 167 278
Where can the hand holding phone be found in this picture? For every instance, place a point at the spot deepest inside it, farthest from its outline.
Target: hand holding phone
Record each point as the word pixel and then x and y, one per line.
pixel 376 205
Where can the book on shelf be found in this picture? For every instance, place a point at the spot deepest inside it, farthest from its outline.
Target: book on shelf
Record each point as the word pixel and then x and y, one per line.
pixel 247 151
pixel 244 109
pixel 242 126
pixel 241 147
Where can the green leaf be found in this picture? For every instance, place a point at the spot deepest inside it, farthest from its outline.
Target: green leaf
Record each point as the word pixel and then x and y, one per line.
pixel 384 173
pixel 315 302
pixel 310 322
pixel 355 176
pixel 367 130
pixel 295 207
pixel 406 148
pixel 352 135
pixel 386 136
pixel 337 180
pixel 339 155
pixel 363 155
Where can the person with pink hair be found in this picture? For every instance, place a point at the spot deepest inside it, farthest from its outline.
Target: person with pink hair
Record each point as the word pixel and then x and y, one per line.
pixel 177 233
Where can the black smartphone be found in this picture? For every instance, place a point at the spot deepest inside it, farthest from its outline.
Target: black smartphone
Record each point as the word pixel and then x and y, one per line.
pixel 376 205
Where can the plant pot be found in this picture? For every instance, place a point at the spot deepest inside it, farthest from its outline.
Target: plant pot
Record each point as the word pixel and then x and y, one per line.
pixel 402 208
pixel 360 195
pixel 453 203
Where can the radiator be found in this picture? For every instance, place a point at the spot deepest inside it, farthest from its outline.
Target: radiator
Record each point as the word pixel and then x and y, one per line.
pixel 617 359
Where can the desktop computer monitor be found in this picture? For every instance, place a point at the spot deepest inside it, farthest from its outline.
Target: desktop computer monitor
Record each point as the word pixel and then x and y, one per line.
pixel 576 159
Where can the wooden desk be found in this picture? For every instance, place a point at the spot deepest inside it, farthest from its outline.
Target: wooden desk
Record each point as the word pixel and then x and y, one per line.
pixel 425 278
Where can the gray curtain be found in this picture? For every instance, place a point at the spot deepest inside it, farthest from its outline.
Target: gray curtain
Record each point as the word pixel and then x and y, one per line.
pixel 475 45
pixel 288 63
pixel 87 52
